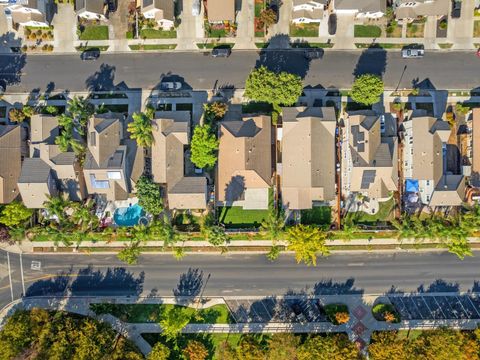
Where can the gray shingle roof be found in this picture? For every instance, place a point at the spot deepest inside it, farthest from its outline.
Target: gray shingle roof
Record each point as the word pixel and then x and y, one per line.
pixel 34 170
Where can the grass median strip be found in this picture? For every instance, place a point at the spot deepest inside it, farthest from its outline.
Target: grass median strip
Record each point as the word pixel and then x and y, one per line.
pixel 153 47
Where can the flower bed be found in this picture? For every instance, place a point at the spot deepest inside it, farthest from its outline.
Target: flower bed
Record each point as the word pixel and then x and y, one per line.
pixel 386 312
pixel 337 314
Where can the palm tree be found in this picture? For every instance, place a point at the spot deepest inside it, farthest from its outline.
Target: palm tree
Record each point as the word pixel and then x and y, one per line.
pixel 81 109
pixel 78 147
pixel 82 215
pixel 140 129
pixel 65 122
pixel 63 141
pixel 56 206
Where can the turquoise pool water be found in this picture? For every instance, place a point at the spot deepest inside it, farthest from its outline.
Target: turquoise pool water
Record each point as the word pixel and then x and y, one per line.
pixel 128 216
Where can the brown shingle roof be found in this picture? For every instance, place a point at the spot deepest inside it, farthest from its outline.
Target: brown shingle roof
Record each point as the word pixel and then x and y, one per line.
pixel 10 162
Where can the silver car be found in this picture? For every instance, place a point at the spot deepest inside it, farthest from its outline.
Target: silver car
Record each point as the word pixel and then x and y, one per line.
pixel 196 7
pixel 170 85
pixel 412 53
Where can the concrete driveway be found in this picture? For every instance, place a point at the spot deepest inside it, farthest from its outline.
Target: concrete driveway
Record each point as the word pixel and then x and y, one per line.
pixel 191 27
pixel 344 38
pixel 65 28
pixel 460 31
pixel 283 24
pixel 245 21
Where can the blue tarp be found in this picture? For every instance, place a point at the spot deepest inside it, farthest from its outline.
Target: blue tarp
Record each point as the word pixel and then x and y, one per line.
pixel 411 185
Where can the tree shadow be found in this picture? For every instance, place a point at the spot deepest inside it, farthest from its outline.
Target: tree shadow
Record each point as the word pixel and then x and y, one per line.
pixel 235 189
pixel 11 69
pixel 293 62
pixel 102 80
pixel 112 281
pixel 9 41
pixel 53 286
pixel 328 287
pixel 373 60
pixel 439 285
pixel 190 283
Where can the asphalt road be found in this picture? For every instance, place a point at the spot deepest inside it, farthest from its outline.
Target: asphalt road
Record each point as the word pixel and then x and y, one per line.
pixel 238 274
pixel 445 70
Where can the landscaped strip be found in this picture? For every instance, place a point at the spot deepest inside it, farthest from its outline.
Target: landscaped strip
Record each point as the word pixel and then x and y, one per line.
pixel 94 32
pixel 153 47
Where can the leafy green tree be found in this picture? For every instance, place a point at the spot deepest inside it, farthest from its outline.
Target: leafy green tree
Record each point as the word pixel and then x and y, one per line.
pixel 159 352
pixel 140 129
pixel 283 346
pixel 216 235
pixel 275 221
pixel 63 141
pixel 267 17
pixel 267 86
pixel 57 205
pixel 15 214
pixel 83 216
pixel 173 321
pixel 149 196
pixel 204 147
pixel 66 123
pixel 328 347
pixel 274 253
pixel 214 111
pixel 367 89
pixel 249 348
pixel 50 109
pixel 307 242
pixel 81 109
pixel 130 253
pixel 16 115
pixel 195 350
pixel 28 111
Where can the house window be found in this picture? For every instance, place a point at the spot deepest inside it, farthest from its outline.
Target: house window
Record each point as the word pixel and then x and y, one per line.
pixel 93 139
pixel 114 175
pixel 98 184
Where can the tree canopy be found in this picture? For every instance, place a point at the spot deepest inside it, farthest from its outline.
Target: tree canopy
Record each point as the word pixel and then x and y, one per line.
pixel 367 89
pixel 267 86
pixel 14 214
pixel 140 129
pixel 307 242
pixel 204 147
pixel 173 321
pixel 149 196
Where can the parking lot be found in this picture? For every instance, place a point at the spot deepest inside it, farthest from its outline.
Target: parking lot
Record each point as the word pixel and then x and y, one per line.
pixel 424 307
pixel 293 310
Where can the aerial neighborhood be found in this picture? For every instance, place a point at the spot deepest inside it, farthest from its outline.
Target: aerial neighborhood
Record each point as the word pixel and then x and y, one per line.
pixel 330 148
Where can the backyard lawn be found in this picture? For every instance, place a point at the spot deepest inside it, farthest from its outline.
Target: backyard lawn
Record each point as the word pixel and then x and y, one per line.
pixel 367 31
pixel 158 34
pixel 318 215
pixel 304 30
pixel 384 214
pixel 148 313
pixel 235 217
pixel 476 28
pixel 94 32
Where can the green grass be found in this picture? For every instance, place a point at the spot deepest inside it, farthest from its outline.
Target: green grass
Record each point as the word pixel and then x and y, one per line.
pixel 476 28
pixel 332 309
pixel 383 214
pixel 153 47
pixel 445 45
pixel 148 313
pixel 158 34
pixel 94 32
pixel 408 334
pixel 379 310
pixel 261 45
pixel 304 30
pixel 318 215
pixel 214 45
pixel 259 34
pixel 129 35
pixel 83 48
pixel 256 107
pixel 372 31
pixel 379 45
pixel 415 29
pixel 235 217
pixel 309 45
pixel 258 8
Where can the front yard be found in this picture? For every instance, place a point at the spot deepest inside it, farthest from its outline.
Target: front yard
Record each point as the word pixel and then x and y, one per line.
pixel 415 29
pixel 234 217
pixel 94 32
pixel 304 30
pixel 259 30
pixel 158 34
pixel 318 215
pixel 368 31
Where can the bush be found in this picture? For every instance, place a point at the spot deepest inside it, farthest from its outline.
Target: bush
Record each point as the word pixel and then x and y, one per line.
pixel 337 314
pixel 386 312
pixel 443 24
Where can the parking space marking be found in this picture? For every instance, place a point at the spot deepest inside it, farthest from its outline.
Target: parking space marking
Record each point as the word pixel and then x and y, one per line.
pixel 435 298
pixel 473 305
pixel 36 265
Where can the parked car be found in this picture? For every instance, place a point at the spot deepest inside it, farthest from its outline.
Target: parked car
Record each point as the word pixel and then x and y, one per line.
pixel 332 24
pixel 456 9
pixel 221 52
pixel 412 52
pixel 170 85
pixel 274 8
pixel 196 7
pixel 112 5
pixel 311 54
pixel 90 54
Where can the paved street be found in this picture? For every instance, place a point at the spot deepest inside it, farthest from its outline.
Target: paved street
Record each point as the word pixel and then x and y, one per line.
pixel 251 275
pixel 452 70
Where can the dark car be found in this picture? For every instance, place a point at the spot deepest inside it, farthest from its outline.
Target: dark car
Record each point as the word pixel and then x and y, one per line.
pixel 221 52
pixel 296 308
pixel 456 9
pixel 332 24
pixel 311 54
pixel 90 54
pixel 274 8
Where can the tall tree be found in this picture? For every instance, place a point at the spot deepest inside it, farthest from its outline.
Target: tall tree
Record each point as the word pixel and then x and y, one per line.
pixel 214 111
pixel 275 221
pixel 81 109
pixel 173 321
pixel 130 253
pixel 149 196
pixel 283 346
pixel 140 129
pixel 57 205
pixel 367 89
pixel 268 17
pixel 274 88
pixel 204 147
pixel 15 214
pixel 338 347
pixel 195 350
pixel 159 352
pixel 307 242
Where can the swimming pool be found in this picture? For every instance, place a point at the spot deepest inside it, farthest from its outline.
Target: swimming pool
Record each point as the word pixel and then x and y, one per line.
pixel 128 216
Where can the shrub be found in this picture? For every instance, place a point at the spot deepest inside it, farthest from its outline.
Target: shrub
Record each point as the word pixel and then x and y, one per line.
pixel 443 24
pixel 386 312
pixel 16 115
pixel 337 314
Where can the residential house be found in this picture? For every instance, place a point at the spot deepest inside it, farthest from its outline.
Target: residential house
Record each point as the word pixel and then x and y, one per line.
pixel 408 9
pixel 308 156
pixel 112 164
pixel 308 11
pixel 91 9
pixel 162 11
pixel 365 9
pixel 370 155
pixel 425 162
pixel 474 148
pixel 244 170
pixel 170 161
pixel 63 174
pixel 219 11
pixel 10 162
pixel 28 13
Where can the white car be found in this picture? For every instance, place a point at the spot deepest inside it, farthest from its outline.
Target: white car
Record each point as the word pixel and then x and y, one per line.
pixel 170 85
pixel 196 7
